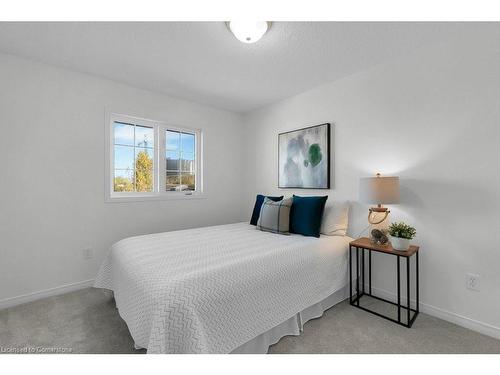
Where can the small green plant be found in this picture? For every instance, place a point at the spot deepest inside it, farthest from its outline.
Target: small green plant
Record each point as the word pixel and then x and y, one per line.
pixel 402 230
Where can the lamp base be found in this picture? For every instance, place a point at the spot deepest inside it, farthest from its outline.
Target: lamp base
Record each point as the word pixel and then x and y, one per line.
pixel 377 215
pixel 378 225
pixel 379 235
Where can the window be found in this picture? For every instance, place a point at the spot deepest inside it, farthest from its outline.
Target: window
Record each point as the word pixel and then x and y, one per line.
pixel 181 160
pixel 134 151
pixel 151 159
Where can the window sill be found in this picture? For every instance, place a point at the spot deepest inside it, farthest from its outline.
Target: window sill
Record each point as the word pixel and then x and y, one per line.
pixel 157 197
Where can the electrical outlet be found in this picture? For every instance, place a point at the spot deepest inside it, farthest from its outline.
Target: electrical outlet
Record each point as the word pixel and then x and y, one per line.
pixel 87 253
pixel 472 281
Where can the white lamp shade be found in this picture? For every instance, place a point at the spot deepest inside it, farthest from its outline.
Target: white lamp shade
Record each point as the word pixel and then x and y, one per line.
pixel 379 190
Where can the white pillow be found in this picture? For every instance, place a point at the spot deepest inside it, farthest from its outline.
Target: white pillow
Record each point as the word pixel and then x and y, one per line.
pixel 335 219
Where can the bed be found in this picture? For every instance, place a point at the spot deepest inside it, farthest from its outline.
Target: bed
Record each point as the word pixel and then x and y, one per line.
pixel 222 289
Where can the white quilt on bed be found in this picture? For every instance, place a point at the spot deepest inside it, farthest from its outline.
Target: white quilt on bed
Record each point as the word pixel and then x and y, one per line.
pixel 210 290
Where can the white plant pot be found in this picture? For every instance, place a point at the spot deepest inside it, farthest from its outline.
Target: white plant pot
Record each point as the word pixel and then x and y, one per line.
pixel 401 244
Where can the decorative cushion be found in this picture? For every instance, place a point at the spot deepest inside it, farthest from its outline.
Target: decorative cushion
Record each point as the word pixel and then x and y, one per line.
pixel 275 216
pixel 258 204
pixel 306 215
pixel 335 219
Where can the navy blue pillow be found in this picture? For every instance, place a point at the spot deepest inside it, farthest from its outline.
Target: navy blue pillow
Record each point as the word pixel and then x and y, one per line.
pixel 258 204
pixel 306 215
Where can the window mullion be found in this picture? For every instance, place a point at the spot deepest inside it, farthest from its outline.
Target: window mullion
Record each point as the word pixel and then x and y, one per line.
pixel 133 170
pixel 198 160
pixel 180 161
pixel 161 174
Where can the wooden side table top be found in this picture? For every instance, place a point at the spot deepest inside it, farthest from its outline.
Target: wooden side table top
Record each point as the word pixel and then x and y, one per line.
pixel 365 243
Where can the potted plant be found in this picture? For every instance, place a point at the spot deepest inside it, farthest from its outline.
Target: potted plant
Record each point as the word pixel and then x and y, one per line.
pixel 401 234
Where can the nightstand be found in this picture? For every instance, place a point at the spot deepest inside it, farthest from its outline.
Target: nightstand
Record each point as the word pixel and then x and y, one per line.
pixel 363 245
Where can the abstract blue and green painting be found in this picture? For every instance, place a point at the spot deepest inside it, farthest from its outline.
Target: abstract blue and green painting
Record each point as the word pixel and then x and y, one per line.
pixel 304 158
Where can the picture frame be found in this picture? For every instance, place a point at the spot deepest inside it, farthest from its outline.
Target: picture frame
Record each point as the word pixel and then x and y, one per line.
pixel 304 158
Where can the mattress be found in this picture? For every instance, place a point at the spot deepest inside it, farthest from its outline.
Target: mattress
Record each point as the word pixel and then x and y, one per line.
pixel 213 289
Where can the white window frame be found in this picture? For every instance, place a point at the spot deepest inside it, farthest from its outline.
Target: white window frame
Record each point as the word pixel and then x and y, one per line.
pixel 159 164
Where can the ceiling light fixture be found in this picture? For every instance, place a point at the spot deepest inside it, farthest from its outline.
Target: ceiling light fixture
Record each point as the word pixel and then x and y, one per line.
pixel 248 31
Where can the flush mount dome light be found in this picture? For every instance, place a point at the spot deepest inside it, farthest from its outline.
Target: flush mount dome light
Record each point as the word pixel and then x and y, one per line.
pixel 248 31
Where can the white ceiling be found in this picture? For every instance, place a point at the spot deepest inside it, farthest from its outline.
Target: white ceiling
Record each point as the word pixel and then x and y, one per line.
pixel 203 62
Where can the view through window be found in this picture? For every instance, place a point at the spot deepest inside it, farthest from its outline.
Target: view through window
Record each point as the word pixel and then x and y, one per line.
pixel 134 157
pixel 180 161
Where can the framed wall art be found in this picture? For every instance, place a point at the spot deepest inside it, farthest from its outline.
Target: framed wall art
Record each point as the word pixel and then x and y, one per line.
pixel 304 158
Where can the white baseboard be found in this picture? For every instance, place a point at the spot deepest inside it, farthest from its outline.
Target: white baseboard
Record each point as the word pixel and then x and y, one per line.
pixel 463 321
pixel 25 298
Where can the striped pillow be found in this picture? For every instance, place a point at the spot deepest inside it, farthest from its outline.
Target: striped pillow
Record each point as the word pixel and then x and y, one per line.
pixel 275 216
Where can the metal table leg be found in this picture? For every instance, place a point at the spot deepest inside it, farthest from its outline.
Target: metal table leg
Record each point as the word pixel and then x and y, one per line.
pixel 370 271
pixel 363 271
pixel 408 296
pixel 399 292
pixel 350 274
pixel 357 276
pixel 418 299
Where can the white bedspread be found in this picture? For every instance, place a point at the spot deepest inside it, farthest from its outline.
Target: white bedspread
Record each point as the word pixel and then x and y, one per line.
pixel 210 290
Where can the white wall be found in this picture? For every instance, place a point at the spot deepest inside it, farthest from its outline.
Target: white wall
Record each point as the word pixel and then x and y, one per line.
pixel 433 118
pixel 52 174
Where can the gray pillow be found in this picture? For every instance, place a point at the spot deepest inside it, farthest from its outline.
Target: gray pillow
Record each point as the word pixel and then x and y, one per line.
pixel 275 216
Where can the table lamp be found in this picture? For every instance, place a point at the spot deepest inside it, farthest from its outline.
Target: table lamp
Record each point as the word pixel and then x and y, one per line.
pixel 379 190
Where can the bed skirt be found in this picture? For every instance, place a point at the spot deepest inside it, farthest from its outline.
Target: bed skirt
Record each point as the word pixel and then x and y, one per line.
pixel 292 326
